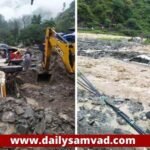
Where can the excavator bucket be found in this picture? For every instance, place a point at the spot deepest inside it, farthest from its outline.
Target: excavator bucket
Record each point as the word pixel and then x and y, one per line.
pixel 43 77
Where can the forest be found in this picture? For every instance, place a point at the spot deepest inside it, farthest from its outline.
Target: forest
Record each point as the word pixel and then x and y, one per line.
pixel 128 17
pixel 30 29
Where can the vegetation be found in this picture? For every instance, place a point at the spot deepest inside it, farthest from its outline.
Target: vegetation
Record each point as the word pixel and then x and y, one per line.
pixel 130 17
pixel 30 30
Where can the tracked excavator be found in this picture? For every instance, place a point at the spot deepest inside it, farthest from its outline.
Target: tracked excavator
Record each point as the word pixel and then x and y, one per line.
pixel 65 48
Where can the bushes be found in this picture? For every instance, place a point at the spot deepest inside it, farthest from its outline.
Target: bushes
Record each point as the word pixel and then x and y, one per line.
pixel 107 22
pixel 127 16
pixel 130 32
pixel 132 24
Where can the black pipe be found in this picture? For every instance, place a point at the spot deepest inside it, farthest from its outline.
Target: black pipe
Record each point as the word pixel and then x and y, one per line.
pixel 117 110
pixel 126 118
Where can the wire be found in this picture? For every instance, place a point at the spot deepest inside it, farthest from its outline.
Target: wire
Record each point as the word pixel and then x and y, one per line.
pixel 86 84
pixel 86 87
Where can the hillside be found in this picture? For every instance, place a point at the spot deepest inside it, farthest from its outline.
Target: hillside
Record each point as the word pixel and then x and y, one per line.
pixel 66 20
pixel 130 17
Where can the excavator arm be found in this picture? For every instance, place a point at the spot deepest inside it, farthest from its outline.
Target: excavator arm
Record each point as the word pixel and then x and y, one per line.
pixel 66 50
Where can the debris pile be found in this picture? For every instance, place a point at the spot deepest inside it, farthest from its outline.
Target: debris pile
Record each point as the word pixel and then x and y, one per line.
pixel 95 117
pixel 39 107
pixel 18 116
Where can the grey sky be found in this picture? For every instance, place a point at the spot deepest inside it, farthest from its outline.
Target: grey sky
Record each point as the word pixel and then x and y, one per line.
pixel 16 8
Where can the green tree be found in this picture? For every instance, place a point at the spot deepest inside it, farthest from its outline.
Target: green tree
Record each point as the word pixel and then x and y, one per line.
pixel 36 19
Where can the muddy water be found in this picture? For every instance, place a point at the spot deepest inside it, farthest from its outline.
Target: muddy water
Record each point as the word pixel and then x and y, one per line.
pixel 109 69
pixel 117 78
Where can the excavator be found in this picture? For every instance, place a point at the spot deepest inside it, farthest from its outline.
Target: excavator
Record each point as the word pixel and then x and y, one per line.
pixel 64 46
pixel 54 42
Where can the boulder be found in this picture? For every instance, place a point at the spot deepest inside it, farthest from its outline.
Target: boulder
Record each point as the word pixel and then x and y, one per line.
pixel 19 110
pixel 8 116
pixel 22 128
pixel 32 102
pixel 148 115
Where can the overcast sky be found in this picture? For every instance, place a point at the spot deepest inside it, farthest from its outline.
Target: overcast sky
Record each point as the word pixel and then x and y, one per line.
pixel 16 8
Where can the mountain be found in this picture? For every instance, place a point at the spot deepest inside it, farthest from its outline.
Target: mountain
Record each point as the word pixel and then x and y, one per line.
pixel 130 17
pixel 66 19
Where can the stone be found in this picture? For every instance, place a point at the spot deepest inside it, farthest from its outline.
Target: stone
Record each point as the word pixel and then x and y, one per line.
pixel 22 128
pixel 48 117
pixel 19 110
pixel 148 131
pixel 91 122
pixel 3 128
pixel 11 129
pixel 121 121
pixel 32 102
pixel 63 116
pixel 83 100
pixel 28 112
pixel 30 86
pixel 135 107
pixel 51 99
pixel 143 116
pixel 98 102
pixel 148 115
pixel 120 131
pixel 80 116
pixel 118 101
pixel 8 117
pixel 40 127
pixel 10 99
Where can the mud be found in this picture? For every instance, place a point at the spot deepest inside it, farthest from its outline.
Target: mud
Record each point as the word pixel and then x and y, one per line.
pixel 52 100
pixel 111 66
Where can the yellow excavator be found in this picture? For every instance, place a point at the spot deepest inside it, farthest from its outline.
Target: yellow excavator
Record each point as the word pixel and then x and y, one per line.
pixel 54 42
pixel 65 49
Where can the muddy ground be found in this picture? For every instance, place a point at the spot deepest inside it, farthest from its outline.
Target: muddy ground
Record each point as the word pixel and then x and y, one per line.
pixel 119 69
pixel 39 107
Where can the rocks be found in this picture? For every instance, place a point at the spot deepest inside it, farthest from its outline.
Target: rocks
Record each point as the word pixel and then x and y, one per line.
pixel 49 116
pixel 98 101
pixel 141 59
pixel 64 116
pixel 17 116
pixel 30 86
pixel 121 131
pixel 121 121
pixel 136 107
pixel 93 114
pixel 40 128
pixel 7 128
pixel 8 117
pixel 143 116
pixel 32 102
pixel 148 115
pixel 22 128
pixel 137 39
pixel 82 99
pixel 3 128
pixel 118 101
pixel 28 112
pixel 19 110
